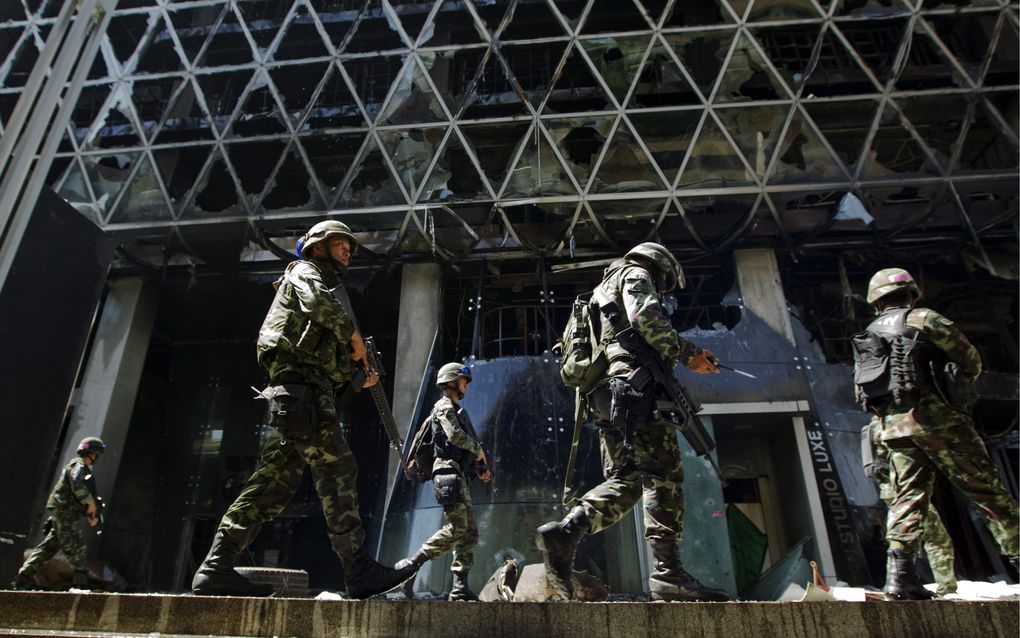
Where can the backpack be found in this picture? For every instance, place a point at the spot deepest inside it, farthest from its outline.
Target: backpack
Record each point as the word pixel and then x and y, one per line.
pixel 422 453
pixel 582 354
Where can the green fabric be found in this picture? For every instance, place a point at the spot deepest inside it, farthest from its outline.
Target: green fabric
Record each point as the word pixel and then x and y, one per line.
pixel 748 546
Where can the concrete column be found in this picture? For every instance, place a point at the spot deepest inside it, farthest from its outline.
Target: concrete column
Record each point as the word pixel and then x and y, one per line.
pixel 103 404
pixel 762 289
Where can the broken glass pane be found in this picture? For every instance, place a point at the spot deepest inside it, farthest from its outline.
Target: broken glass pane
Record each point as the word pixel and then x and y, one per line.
pixel 756 131
pixel 184 120
pixel 260 114
pixel 337 18
pixel 413 101
pixel 109 175
pixel 494 146
pixel 179 167
pixel 617 60
pixel 126 31
pixel 538 172
pixel 802 156
pixel 1006 104
pixel 254 162
pixel 455 177
pixel 629 221
pixel 453 24
pixel 702 53
pixel 86 109
pixel 662 83
pixel 151 98
pixel 783 10
pixel 789 48
pixel 533 66
pixel 937 119
pixel 332 156
pixel 968 36
pixel 749 77
pixel 845 125
pixel 296 84
pixel 411 152
pixel 22 61
pixel 215 192
pixel 335 107
pixel 292 188
pixel 377 30
pixel 57 169
pixel 263 19
pixel 926 65
pixel 894 153
pixel 114 128
pixel 9 39
pixel 694 13
pixel 194 26
pixel 228 44
pixel 453 72
pixel 532 19
pixel 713 161
pixel 837 71
pixel 302 38
pixel 372 184
pixel 580 141
pixel 612 16
pixel 985 148
pixel 576 89
pixel 626 167
pixel 413 15
pixel 717 217
pixel 877 42
pixel 489 94
pixel 144 199
pixel 159 52
pixel 667 136
pixel 870 8
pixel 372 78
pixel 541 226
pixel 75 190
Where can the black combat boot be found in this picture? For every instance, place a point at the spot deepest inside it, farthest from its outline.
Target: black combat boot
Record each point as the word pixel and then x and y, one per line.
pixel 366 578
pixel 460 590
pixel 669 581
pixel 411 563
pixel 80 579
pixel 216 575
pixel 558 543
pixel 902 582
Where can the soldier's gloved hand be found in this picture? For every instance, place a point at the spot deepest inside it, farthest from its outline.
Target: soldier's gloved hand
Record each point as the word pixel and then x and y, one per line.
pixel 704 363
pixel 485 475
pixel 358 350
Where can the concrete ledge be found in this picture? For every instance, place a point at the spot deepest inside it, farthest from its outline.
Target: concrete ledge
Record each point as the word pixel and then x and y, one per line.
pixel 44 613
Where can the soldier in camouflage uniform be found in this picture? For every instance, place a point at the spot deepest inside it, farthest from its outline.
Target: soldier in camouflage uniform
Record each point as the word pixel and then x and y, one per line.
pixel 938 546
pixel 309 347
pixel 72 497
pixel 639 455
pixel 922 430
pixel 457 451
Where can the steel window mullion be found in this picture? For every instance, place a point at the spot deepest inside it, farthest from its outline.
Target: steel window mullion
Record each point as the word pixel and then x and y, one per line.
pixel 690 149
pixel 602 153
pixel 440 149
pixel 598 226
pixel 658 222
pixel 355 164
pixel 689 225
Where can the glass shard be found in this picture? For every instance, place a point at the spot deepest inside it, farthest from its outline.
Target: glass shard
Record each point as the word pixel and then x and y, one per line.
pixel 455 177
pixel 411 152
pixel 662 83
pixel 144 199
pixel 617 60
pixel 538 172
pixel 372 184
pixel 626 168
pixel 702 54
pixel 580 141
pixel 179 168
pixel 413 101
pixel 260 114
pixel 803 157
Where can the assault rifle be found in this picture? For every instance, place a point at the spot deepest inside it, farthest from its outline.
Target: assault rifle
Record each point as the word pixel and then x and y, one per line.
pixel 374 361
pixel 681 406
pixel 100 506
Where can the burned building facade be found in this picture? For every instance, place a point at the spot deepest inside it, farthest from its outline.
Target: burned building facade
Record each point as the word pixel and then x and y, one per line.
pixel 490 155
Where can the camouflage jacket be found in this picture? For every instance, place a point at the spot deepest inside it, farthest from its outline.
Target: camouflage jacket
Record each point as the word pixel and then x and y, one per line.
pixel 75 487
pixel 454 435
pixel 929 410
pixel 631 286
pixel 306 329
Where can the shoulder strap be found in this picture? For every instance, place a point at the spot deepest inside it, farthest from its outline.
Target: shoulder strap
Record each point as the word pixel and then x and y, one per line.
pixel 580 411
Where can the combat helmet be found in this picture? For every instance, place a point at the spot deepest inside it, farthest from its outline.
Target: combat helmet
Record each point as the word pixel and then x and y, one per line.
pixel 451 372
pixel 663 260
pixel 889 280
pixel 91 445
pixel 322 231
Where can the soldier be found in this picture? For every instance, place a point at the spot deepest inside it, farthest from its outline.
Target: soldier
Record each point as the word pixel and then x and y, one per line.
pixel 905 365
pixel 642 454
pixel 938 546
pixel 457 451
pixel 309 347
pixel 73 496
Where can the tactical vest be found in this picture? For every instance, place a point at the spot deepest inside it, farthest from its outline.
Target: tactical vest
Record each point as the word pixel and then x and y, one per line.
pixel 893 361
pixel 63 496
pixel 447 450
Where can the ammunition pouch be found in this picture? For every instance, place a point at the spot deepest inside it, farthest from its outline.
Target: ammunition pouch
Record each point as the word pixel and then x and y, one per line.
pixel 447 488
pixel 632 400
pixel 874 465
pixel 292 409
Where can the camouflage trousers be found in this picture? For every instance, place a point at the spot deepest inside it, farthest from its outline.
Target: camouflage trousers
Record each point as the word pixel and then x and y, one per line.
pixel 62 534
pixel 938 546
pixel 460 533
pixel 954 448
pixel 278 474
pixel 649 466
